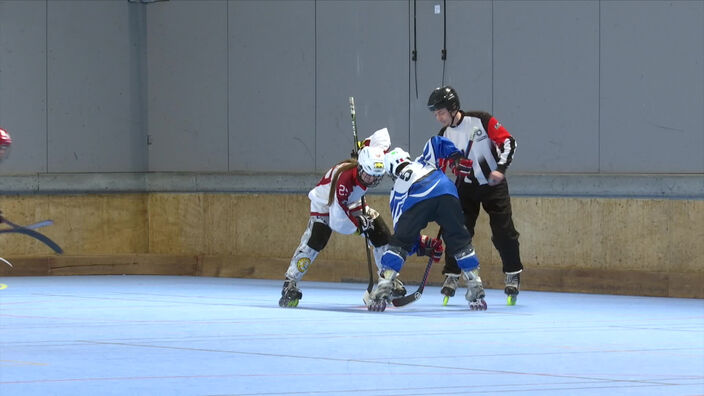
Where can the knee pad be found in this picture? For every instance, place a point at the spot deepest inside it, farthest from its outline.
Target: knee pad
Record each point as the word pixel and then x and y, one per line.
pixel 300 262
pixel 319 236
pixel 466 258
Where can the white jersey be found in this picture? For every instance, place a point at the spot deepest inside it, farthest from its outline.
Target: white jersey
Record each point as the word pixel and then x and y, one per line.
pixel 493 146
pixel 347 198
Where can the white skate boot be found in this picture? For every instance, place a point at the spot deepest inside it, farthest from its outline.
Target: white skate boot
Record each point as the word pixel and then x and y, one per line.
pixel 452 281
pixel 475 290
pixel 290 294
pixel 381 295
pixel 398 289
pixel 513 283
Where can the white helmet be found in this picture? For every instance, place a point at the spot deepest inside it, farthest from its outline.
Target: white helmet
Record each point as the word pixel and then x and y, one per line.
pixel 393 159
pixel 371 163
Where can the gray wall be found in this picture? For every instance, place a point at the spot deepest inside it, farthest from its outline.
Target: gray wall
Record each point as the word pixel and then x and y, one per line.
pixel 70 86
pixel 597 87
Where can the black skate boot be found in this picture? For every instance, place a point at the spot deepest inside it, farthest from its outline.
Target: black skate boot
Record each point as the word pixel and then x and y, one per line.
pixel 513 283
pixel 290 294
pixel 449 287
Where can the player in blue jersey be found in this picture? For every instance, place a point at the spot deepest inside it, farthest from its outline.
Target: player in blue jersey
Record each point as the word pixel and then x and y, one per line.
pixel 423 193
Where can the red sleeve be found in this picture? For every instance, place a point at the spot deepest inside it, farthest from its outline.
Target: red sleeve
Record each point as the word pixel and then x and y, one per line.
pixel 497 132
pixel 345 184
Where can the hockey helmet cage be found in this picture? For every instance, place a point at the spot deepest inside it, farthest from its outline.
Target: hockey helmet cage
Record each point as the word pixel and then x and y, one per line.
pixel 394 158
pixel 371 160
pixel 444 98
pixel 371 165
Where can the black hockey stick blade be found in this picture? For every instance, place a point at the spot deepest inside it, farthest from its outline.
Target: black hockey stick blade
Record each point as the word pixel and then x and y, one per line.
pixel 16 228
pixel 36 235
pixel 407 299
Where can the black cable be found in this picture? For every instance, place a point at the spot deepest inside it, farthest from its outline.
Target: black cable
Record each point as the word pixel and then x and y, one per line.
pixel 414 56
pixel 444 38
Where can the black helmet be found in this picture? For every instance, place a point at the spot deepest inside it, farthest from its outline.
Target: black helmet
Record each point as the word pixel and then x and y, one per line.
pixel 444 98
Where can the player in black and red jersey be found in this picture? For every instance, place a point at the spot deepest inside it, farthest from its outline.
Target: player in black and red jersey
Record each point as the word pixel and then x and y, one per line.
pixel 491 153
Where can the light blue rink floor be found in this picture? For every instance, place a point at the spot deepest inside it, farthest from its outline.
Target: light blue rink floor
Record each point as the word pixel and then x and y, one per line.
pixel 164 335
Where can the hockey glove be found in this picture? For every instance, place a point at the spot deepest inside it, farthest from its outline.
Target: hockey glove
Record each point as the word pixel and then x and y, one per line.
pixel 431 247
pixel 364 224
pixel 442 164
pixel 368 211
pixel 462 167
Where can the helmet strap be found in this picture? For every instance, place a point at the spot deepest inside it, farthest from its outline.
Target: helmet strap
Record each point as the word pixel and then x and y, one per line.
pixel 454 121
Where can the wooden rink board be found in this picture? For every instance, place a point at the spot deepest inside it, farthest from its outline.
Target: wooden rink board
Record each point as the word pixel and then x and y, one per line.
pixel 650 247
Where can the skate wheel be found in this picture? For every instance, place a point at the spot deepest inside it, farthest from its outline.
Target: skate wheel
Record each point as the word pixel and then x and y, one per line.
pixel 511 300
pixel 288 304
pixel 445 300
pixel 479 305
pixel 377 306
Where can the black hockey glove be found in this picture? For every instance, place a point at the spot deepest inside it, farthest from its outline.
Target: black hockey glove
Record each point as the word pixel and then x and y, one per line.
pixel 364 224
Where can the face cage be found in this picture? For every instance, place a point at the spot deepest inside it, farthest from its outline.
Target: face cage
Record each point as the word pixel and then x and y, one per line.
pixel 364 176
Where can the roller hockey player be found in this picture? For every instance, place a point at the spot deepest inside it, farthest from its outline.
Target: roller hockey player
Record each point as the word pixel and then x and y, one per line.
pixel 491 148
pixel 339 209
pixel 421 194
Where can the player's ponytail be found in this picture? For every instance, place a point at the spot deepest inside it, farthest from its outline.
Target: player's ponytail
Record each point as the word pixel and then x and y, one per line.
pixel 341 167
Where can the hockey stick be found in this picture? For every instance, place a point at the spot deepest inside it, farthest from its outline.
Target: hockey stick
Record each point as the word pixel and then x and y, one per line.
pixel 405 300
pixel 39 224
pixel 30 232
pixel 353 114
pixel 409 298
pixel 6 262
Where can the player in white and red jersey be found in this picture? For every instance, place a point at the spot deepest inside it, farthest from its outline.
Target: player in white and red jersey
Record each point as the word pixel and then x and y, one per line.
pixel 335 205
pixel 491 152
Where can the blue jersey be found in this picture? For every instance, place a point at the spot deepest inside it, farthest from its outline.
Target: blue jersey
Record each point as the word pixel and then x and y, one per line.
pixel 438 147
pixel 422 179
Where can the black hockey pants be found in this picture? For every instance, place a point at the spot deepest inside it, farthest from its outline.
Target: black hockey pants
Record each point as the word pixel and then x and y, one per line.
pixel 444 210
pixel 497 203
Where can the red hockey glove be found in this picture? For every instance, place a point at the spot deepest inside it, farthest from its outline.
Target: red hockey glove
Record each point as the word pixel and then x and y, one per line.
pixel 462 167
pixel 431 247
pixel 442 164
